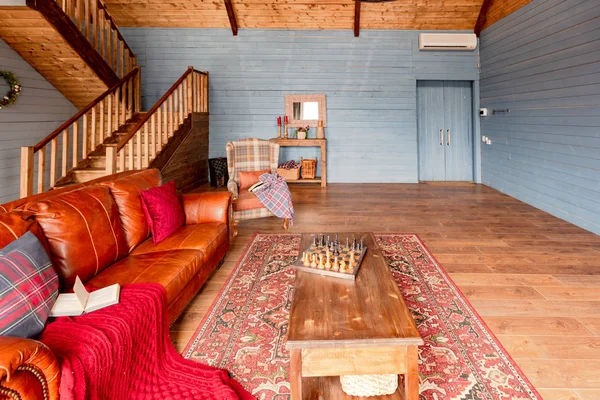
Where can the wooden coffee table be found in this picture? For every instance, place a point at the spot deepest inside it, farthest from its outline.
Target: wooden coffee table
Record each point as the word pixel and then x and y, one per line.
pixel 339 327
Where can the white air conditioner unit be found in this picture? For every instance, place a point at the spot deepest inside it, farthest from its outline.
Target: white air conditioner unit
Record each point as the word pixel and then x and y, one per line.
pixel 447 41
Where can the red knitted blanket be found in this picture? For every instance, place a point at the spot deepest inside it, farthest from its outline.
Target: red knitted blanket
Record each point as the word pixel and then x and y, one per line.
pixel 124 352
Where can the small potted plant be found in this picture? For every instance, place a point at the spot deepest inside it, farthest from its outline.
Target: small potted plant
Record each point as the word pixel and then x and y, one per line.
pixel 302 132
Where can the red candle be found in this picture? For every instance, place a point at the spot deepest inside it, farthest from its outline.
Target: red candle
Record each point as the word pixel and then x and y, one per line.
pixel 278 121
pixel 286 119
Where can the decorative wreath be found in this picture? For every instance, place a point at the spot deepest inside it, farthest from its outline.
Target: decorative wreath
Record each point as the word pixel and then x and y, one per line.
pixel 13 93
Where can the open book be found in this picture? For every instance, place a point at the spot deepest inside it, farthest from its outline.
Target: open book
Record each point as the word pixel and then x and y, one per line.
pixel 82 301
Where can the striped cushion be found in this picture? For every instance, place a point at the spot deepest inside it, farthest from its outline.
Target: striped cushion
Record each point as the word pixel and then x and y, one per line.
pixel 28 287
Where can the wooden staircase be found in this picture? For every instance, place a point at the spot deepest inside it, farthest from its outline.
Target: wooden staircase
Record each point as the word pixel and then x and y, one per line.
pixel 94 166
pixel 73 44
pixel 111 134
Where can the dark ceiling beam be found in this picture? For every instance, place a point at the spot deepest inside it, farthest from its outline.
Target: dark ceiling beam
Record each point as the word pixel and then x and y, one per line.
pixel 231 15
pixel 482 19
pixel 356 18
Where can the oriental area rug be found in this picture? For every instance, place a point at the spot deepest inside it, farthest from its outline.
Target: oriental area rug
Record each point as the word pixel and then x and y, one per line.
pixel 245 329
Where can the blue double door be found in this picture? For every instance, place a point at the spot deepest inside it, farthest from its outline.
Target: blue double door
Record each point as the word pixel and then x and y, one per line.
pixel 445 130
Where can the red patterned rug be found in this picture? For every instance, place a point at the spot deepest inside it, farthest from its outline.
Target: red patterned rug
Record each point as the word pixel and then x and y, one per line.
pixel 245 330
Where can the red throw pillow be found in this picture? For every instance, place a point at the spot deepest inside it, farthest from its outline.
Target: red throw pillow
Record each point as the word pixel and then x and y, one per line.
pixel 249 178
pixel 163 211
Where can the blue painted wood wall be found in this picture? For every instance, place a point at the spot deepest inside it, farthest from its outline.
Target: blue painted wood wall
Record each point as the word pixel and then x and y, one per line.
pixel 543 63
pixel 39 110
pixel 370 83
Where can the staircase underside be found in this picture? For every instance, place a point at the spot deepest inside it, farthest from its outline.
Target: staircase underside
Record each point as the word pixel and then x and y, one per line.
pixel 41 45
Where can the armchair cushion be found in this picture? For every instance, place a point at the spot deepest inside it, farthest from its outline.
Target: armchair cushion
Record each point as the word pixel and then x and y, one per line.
pixel 28 287
pixel 249 178
pixel 163 210
pixel 246 201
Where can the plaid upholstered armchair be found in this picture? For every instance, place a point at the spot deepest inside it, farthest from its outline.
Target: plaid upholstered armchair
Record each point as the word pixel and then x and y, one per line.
pixel 249 155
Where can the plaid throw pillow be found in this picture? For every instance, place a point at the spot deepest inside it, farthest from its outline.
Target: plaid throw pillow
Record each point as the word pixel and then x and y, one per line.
pixel 28 287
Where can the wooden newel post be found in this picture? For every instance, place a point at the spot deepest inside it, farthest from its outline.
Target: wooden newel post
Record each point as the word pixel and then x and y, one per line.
pixel 26 171
pixel 111 159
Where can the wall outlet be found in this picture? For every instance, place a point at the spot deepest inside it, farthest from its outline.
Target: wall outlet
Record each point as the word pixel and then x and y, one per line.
pixel 483 112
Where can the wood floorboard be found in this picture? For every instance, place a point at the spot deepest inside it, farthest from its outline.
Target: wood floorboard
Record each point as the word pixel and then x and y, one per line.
pixel 534 278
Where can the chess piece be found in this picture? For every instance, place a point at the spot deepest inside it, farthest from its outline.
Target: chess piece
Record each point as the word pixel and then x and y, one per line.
pixel 351 262
pixel 337 240
pixel 335 266
pixel 314 261
pixel 347 243
pixel 342 266
pixel 328 263
pixel 354 244
pixel 323 240
pixel 316 241
pixel 362 245
pixel 307 260
pixel 321 265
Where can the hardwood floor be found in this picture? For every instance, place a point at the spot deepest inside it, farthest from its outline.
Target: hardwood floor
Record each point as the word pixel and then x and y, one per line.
pixel 534 278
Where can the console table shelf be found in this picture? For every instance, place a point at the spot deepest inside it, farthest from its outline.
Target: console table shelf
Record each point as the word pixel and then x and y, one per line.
pixel 321 143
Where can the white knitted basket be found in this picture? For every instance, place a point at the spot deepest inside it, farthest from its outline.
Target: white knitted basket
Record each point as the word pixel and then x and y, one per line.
pixel 369 385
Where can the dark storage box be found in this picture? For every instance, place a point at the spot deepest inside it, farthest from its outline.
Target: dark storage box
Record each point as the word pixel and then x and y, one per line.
pixel 218 171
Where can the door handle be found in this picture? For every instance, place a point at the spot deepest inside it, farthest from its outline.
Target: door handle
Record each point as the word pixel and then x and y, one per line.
pixel 448 142
pixel 441 137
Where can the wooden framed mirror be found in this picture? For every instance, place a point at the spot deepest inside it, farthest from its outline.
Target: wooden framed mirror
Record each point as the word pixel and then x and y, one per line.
pixel 305 109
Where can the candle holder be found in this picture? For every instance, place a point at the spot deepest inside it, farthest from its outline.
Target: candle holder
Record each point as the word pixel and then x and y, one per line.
pixel 285 132
pixel 278 131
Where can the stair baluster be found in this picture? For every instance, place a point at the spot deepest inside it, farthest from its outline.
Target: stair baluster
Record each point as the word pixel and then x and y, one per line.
pixel 74 140
pixel 145 140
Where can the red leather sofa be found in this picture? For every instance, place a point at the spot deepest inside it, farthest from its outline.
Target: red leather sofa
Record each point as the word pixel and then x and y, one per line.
pixel 181 263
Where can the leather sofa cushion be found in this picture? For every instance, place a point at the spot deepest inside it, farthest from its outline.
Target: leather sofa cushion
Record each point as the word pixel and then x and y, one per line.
pixel 11 205
pixel 206 237
pixel 83 230
pixel 126 192
pixel 173 269
pixel 246 201
pixel 14 224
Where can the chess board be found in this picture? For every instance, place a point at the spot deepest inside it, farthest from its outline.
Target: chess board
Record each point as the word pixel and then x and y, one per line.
pixel 344 254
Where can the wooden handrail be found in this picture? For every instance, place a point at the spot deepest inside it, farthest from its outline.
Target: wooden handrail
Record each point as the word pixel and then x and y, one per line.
pixel 96 24
pixel 85 110
pixel 109 17
pixel 155 107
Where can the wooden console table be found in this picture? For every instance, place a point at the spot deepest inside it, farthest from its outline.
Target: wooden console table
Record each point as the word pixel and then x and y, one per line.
pixel 322 143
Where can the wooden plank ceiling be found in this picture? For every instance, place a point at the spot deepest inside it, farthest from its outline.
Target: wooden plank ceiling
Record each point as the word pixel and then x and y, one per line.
pixel 307 14
pixel 46 50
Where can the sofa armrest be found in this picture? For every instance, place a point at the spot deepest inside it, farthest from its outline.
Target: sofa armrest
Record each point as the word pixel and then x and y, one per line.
pixel 206 207
pixel 233 186
pixel 18 355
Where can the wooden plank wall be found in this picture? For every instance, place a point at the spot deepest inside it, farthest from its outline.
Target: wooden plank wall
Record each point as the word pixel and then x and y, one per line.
pixel 40 109
pixel 543 63
pixel 188 165
pixel 370 83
